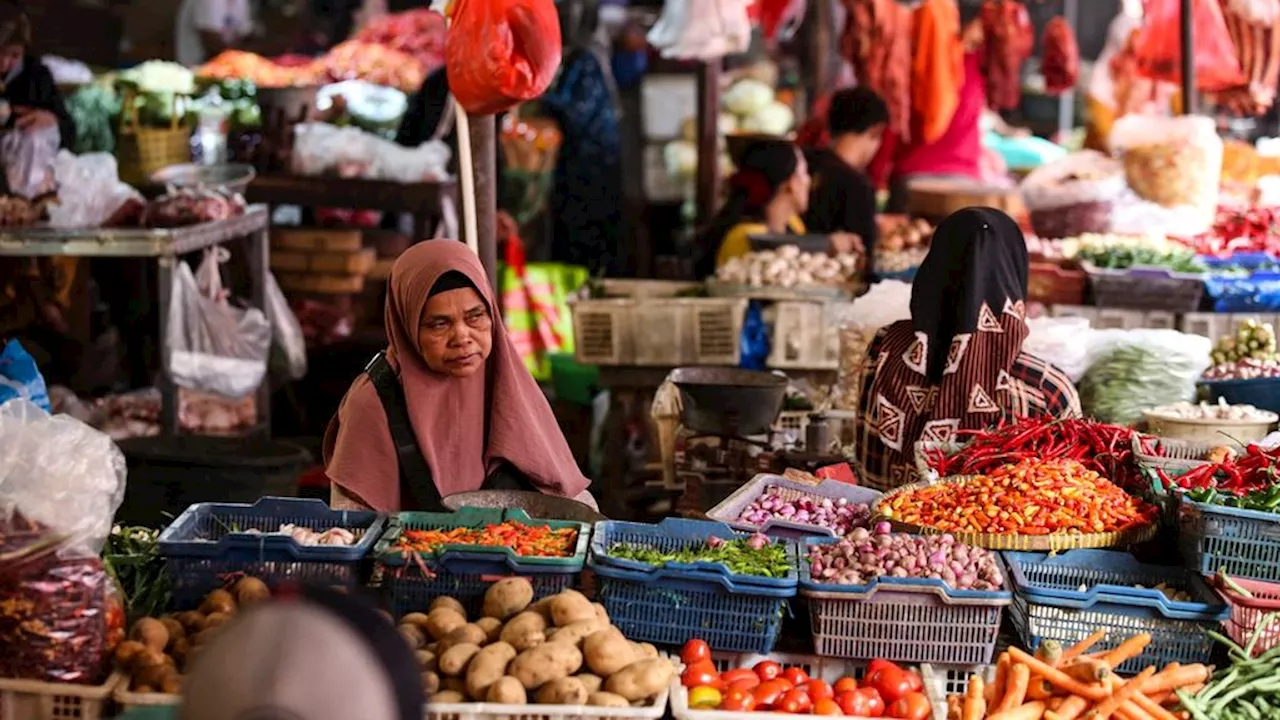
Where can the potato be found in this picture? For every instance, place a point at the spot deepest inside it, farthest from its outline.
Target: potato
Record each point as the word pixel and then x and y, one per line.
pixel 601 613
pixel 466 634
pixel 430 682
pixel 548 661
pixel 454 660
pixel 216 619
pixel 412 635
pixel 175 628
pixel 250 590
pixel 446 697
pixel 592 683
pixel 507 691
pixel 218 601
pixel 486 667
pixel 644 650
pixel 426 659
pixel 607 651
pixel 152 633
pixel 444 601
pixel 457 685
pixel 192 620
pixel 127 652
pixel 150 669
pixel 415 618
pixel 542 607
pixel 142 689
pixel 564 691
pixel 640 679
pixel 442 621
pixel 607 699
pixel 575 633
pixel 569 607
pixel 203 637
pixel 507 597
pixel 524 631
pixel 178 650
pixel 492 628
pixel 170 681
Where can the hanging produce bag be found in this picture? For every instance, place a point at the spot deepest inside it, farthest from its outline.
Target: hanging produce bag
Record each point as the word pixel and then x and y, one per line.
pixel 535 307
pixel 1158 46
pixel 501 52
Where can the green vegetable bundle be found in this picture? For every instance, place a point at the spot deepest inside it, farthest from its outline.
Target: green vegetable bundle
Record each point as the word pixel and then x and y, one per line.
pixel 741 557
pixel 1129 380
pixel 132 557
pixel 1249 689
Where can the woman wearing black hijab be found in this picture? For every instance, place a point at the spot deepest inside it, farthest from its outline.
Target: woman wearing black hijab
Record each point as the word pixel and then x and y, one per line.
pixel 957 364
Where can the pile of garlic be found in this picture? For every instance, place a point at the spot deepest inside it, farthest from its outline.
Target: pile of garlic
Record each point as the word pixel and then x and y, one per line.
pixel 788 267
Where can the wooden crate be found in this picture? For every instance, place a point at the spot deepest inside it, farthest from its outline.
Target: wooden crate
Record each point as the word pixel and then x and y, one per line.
pixel 316 239
pixel 320 284
pixel 34 700
pixel 658 332
pixel 359 262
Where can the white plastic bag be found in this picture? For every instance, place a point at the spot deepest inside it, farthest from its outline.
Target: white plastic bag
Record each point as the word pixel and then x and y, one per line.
pixel 287 332
pixel 1063 342
pixel 1074 195
pixel 28 158
pixel 213 346
pixel 89 190
pixel 1135 370
pixel 1171 161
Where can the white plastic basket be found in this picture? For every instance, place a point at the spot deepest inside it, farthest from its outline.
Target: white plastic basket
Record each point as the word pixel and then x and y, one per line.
pixel 498 711
pixel 35 700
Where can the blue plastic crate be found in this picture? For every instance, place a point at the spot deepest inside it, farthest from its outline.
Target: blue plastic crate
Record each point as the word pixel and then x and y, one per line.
pixel 466 572
pixel 913 620
pixel 208 543
pixel 1068 596
pixel 1242 543
pixel 1262 393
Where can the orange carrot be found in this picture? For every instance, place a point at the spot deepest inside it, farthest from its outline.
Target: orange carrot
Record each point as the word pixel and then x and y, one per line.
pixel 1054 702
pixel 1029 711
pixel 1082 647
pixel 975 703
pixel 1152 708
pixel 1057 677
pixel 1172 679
pixel 1130 711
pixel 1087 670
pixel 1040 689
pixel 1121 695
pixel 1070 709
pixel 995 691
pixel 1126 650
pixel 1016 693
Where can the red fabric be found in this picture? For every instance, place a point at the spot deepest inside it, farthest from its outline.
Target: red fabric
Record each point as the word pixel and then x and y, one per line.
pixel 501 52
pixel 957 152
pixel 449 415
pixel 1158 46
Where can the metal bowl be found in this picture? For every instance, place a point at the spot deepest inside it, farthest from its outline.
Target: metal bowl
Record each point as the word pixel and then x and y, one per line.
pixel 729 401
pixel 234 176
pixel 537 505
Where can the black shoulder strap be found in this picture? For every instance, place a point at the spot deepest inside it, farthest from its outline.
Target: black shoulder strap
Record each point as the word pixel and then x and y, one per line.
pixel 416 481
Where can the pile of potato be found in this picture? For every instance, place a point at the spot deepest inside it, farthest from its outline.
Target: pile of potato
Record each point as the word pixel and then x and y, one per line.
pixel 561 650
pixel 159 650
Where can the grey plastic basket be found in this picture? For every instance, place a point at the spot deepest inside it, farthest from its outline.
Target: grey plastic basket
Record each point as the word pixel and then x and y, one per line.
pixel 730 509
pixel 1180 456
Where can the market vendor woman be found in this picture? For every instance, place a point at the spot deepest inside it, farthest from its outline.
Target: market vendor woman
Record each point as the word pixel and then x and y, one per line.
pixel 28 86
pixel 958 363
pixel 449 406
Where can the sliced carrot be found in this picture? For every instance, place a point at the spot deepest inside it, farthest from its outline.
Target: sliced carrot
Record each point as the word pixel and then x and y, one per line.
pixel 1057 677
pixel 1030 711
pixel 1083 646
pixel 1123 694
pixel 1127 650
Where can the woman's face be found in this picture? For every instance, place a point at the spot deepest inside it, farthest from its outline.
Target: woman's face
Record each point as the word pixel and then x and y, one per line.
pixel 456 332
pixel 799 184
pixel 10 56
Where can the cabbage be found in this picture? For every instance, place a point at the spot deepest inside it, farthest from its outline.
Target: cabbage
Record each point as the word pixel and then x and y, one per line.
pixel 680 158
pixel 772 119
pixel 747 96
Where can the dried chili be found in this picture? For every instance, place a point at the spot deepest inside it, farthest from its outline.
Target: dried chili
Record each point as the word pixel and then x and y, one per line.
pixel 525 540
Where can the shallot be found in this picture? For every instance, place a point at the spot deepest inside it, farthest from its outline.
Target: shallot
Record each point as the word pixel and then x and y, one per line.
pixel 836 514
pixel 864 555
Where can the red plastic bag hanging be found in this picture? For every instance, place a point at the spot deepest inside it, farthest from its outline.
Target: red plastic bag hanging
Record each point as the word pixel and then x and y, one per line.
pixel 1158 46
pixel 501 52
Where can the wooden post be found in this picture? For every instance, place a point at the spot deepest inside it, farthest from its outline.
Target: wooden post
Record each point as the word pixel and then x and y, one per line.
pixel 1188 37
pixel 483 139
pixel 708 139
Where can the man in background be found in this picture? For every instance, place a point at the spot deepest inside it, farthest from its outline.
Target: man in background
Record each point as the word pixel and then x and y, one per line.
pixel 843 199
pixel 207 27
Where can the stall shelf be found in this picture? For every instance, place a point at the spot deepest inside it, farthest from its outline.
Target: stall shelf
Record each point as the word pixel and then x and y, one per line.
pixel 423 200
pixel 165 246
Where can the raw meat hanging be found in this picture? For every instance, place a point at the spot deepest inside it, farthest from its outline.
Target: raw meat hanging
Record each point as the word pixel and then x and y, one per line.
pixel 877 42
pixel 1252 27
pixel 1060 56
pixel 1159 48
pixel 1009 38
pixel 779 19
pixel 702 29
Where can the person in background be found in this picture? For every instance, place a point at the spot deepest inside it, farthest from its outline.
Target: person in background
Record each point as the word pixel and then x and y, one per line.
pixel 312 654
pixel 449 406
pixel 586 196
pixel 958 363
pixel 843 200
pixel 207 27
pixel 28 86
pixel 956 154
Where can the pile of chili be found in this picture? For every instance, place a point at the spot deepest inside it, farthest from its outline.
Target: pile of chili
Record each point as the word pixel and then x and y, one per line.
pixel 1105 449
pixel 1033 497
pixel 1249 482
pixel 1240 229
pixel 526 540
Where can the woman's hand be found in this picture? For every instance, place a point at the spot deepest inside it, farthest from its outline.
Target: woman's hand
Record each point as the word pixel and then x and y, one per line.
pixel 844 243
pixel 30 118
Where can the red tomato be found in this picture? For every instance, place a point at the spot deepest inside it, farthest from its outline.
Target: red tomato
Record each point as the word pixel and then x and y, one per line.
pixel 795 701
pixel 912 706
pixel 871 698
pixel 796 675
pixel 698 675
pixel 695 651
pixel 875 665
pixel 767 669
pixel 892 683
pixel 819 690
pixel 747 684
pixel 768 692
pixel 826 706
pixel 732 678
pixel 845 684
pixel 917 685
pixel 738 700
pixel 851 704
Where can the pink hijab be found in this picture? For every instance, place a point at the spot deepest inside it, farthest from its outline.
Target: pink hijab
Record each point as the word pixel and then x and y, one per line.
pixel 448 414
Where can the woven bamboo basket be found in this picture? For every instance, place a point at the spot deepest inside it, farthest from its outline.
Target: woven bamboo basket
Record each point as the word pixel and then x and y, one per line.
pixel 142 151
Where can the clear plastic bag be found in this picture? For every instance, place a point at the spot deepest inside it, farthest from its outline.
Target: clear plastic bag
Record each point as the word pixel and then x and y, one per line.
pixel 1131 371
pixel 60 484
pixel 1171 161
pixel 1058 341
pixel 213 346
pixel 885 303
pixel 290 343
pixel 28 159
pixel 89 190
pixel 1074 195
